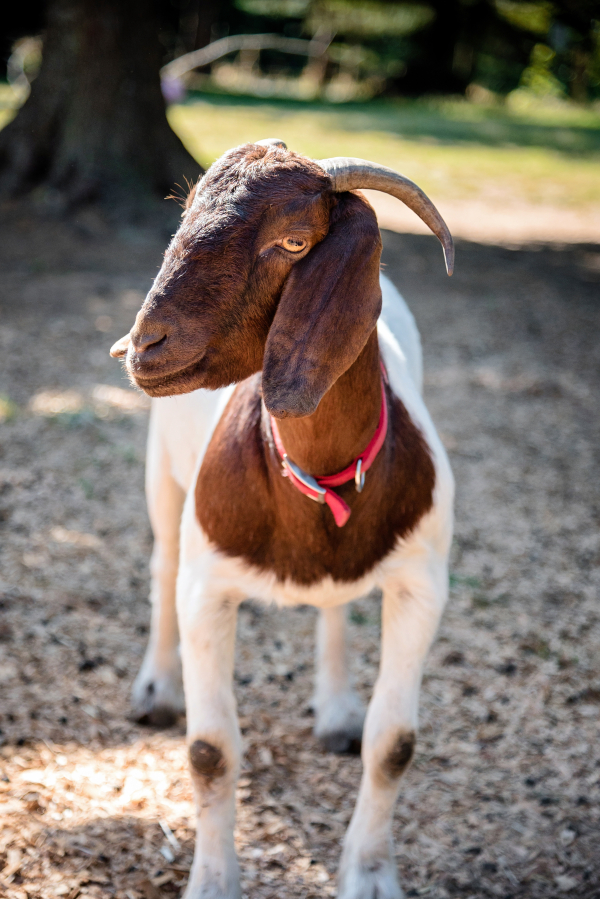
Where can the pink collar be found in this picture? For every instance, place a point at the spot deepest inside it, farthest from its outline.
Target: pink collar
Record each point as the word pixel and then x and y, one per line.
pixel 318 488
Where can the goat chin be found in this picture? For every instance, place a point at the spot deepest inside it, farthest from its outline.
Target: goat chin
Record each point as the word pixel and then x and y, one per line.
pixel 196 375
pixel 183 381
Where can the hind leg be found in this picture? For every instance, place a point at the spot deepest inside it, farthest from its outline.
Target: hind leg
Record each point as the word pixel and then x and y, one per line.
pixel 339 712
pixel 157 694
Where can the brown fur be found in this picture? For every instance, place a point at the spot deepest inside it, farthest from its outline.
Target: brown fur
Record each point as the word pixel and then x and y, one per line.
pixel 207 760
pixel 329 307
pixel 400 756
pixel 206 319
pixel 248 510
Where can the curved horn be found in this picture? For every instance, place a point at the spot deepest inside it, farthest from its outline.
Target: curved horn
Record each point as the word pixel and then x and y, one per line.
pixel 348 173
pixel 271 142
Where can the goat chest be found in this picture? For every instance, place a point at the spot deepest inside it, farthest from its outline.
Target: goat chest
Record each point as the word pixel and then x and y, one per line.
pixel 248 510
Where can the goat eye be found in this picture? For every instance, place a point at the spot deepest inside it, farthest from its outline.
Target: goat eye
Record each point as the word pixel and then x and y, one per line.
pixel 293 244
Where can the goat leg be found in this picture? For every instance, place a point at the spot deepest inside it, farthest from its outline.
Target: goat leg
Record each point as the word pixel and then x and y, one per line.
pixel 207 616
pixel 339 712
pixel 157 694
pixel 413 601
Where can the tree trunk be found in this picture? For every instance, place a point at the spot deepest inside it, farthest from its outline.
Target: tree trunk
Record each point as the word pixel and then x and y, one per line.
pixel 208 13
pixel 93 129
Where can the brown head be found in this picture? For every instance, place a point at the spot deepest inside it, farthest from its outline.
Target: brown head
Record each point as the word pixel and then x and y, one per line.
pixel 276 267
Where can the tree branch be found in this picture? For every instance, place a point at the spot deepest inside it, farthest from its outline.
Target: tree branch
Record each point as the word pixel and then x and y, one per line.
pixel 205 55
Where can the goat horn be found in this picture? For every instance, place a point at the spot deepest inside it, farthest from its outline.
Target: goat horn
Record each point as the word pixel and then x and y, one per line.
pixel 348 173
pixel 271 142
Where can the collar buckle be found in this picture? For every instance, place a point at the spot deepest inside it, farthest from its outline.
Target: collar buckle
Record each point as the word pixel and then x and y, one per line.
pixel 359 477
pixel 306 480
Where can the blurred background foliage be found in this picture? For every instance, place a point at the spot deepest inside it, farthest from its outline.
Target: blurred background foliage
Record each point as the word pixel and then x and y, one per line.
pixel 537 47
pixel 444 46
pixel 517 81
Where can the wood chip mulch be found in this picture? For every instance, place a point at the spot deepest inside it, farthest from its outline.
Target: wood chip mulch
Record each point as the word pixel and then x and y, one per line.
pixel 503 799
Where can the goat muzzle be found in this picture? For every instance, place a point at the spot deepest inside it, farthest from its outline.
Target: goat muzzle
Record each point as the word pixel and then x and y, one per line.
pixel 147 341
pixel 141 342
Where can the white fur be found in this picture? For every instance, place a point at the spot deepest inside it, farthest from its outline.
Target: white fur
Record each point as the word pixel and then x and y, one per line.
pixel 413 578
pixel 339 713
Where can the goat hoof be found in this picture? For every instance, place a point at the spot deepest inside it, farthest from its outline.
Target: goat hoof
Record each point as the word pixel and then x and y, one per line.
pixel 211 891
pixel 376 879
pixel 157 698
pixel 339 724
pixel 214 878
pixel 342 742
pixel 160 717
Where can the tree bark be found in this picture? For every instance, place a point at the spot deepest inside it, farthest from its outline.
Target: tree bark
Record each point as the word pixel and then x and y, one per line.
pixel 93 129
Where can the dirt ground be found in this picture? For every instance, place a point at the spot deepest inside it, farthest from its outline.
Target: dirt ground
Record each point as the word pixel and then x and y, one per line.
pixel 483 220
pixel 503 799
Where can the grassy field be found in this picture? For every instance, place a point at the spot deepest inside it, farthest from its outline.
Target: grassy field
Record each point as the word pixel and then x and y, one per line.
pixel 453 149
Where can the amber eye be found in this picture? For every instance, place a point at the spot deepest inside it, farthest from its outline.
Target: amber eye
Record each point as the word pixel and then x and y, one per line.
pixel 293 244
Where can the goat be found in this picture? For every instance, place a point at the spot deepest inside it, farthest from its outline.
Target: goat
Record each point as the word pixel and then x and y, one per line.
pixel 266 312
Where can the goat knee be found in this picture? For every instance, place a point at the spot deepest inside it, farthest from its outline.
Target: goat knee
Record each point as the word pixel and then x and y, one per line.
pixel 207 761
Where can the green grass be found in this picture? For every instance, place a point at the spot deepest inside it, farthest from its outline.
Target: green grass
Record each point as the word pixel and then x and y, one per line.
pixel 453 149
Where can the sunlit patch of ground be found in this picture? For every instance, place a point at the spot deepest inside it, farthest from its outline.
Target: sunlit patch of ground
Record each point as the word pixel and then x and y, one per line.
pixel 503 799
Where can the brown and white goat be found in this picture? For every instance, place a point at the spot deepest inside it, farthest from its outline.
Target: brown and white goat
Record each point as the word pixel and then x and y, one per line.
pixel 272 284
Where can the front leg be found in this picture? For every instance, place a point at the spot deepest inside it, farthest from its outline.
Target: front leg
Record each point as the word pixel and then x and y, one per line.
pixel 207 620
pixel 157 692
pixel 412 605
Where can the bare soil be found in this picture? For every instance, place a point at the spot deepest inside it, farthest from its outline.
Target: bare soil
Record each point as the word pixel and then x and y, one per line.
pixel 494 219
pixel 503 799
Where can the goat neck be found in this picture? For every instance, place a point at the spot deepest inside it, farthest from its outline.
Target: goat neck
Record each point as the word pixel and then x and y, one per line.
pixel 344 421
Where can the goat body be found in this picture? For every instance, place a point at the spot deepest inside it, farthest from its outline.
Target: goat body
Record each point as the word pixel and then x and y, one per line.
pixel 310 355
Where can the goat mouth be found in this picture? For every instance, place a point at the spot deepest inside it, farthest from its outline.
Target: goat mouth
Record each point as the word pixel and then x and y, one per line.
pixel 182 380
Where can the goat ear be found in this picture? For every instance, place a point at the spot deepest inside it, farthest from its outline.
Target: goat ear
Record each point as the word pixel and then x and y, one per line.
pixel 329 305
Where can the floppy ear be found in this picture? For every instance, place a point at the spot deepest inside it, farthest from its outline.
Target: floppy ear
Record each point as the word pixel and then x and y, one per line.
pixel 329 305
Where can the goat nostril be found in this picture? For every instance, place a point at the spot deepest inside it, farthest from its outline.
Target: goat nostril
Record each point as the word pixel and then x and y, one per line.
pixel 156 343
pixel 144 342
